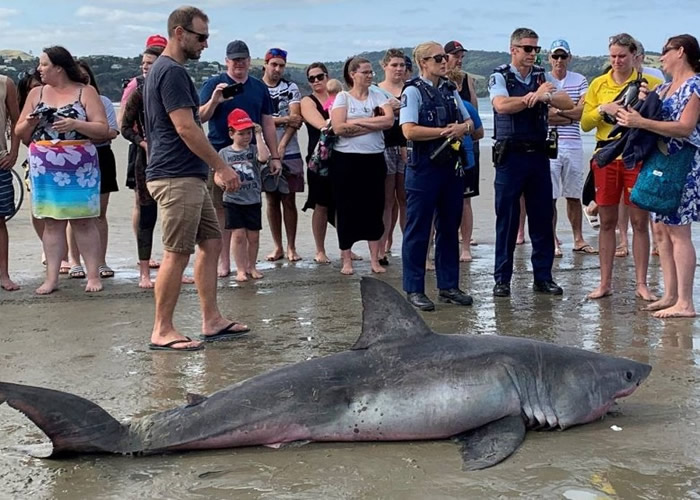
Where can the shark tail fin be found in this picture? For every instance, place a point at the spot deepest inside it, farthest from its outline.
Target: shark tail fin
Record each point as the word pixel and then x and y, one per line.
pixel 74 424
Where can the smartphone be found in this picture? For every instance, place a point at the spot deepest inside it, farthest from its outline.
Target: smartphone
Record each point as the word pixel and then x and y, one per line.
pixel 232 90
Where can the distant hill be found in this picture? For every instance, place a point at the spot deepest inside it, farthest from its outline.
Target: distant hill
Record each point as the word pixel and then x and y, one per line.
pixel 112 71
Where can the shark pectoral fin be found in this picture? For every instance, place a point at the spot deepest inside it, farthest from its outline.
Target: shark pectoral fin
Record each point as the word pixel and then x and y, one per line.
pixel 492 443
pixel 290 444
pixel 194 399
pixel 387 317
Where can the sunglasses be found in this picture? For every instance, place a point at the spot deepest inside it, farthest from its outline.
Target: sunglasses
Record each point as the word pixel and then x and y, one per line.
pixel 366 73
pixel 666 50
pixel 438 58
pixel 278 53
pixel 560 56
pixel 317 78
pixel 529 48
pixel 201 37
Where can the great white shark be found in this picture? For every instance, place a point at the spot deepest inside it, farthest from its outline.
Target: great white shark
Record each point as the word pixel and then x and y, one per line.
pixel 400 381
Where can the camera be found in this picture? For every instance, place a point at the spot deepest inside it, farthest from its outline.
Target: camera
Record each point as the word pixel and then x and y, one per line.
pixel 232 90
pixel 44 112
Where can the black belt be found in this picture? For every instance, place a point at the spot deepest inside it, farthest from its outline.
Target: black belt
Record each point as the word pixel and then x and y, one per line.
pixel 527 147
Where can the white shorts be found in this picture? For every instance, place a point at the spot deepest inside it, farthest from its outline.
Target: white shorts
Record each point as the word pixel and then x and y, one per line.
pixel 567 174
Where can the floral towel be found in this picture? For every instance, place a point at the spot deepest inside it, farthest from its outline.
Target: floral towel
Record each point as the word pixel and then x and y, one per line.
pixel 65 179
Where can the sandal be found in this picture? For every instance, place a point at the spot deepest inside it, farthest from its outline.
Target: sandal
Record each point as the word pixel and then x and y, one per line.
pixel 77 272
pixel 105 271
pixel 621 251
pixel 592 219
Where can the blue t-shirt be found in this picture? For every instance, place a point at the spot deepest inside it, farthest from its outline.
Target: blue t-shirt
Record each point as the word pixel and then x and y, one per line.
pixel 169 87
pixel 468 144
pixel 254 100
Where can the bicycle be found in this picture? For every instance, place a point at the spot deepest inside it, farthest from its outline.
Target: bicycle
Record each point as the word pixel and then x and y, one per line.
pixel 18 186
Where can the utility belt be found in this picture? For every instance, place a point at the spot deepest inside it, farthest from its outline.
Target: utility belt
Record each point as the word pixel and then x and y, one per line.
pixel 444 153
pixel 502 148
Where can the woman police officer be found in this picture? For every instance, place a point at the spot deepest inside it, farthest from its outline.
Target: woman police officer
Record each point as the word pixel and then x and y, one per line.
pixel 432 116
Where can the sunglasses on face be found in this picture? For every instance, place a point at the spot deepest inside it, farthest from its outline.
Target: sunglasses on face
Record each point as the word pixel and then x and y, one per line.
pixel 666 50
pixel 201 37
pixel 529 48
pixel 317 78
pixel 438 58
pixel 560 56
pixel 366 73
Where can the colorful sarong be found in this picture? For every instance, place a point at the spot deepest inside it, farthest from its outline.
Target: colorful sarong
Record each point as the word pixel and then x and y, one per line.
pixel 65 179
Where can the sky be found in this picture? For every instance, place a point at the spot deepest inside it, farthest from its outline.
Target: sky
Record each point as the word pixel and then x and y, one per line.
pixel 331 30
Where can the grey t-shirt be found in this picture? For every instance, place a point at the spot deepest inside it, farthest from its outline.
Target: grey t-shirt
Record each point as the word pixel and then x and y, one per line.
pixel 246 164
pixel 169 87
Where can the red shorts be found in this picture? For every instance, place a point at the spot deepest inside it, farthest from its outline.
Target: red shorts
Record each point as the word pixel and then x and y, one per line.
pixel 613 181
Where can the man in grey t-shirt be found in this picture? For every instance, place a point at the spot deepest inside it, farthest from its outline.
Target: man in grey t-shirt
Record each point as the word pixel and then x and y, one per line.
pixel 179 153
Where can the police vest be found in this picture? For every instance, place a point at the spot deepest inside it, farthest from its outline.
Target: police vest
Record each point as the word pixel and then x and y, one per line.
pixel 529 124
pixel 438 109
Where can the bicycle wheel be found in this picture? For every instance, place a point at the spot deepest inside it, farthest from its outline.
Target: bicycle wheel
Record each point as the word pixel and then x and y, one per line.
pixel 18 187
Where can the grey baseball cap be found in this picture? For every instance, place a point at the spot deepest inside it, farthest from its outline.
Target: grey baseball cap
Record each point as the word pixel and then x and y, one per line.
pixel 237 50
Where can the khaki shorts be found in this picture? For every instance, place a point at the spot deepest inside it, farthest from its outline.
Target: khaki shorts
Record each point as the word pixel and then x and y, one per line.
pixel 186 213
pixel 215 192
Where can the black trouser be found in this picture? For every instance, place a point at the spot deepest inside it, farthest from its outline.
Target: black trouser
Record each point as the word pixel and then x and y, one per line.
pixel 148 214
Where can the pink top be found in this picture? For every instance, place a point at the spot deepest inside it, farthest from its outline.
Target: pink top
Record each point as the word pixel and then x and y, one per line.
pixel 128 90
pixel 329 103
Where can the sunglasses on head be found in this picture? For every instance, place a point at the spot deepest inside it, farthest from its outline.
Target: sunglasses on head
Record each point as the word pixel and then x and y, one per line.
pixel 529 48
pixel 201 37
pixel 317 78
pixel 278 53
pixel 438 58
pixel 560 56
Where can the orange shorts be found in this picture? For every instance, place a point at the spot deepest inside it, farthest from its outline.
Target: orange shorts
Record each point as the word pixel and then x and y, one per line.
pixel 613 181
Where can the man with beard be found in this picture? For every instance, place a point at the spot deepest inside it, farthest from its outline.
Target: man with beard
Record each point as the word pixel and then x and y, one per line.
pixel 178 167
pixel 280 194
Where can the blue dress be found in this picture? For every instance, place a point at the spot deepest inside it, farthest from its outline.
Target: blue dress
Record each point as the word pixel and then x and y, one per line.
pixel 673 107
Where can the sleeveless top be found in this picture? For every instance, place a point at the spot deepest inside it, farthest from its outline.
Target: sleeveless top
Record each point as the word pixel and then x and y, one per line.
pixel 3 115
pixel 44 131
pixel 314 133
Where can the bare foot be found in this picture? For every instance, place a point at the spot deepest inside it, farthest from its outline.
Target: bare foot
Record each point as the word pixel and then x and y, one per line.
pixel 187 280
pixel 241 276
pixel 275 255
pixel 429 265
pixel 675 311
pixel 622 251
pixel 292 255
pixel 322 258
pixel 662 303
pixel 473 242
pixel 8 285
pixel 466 256
pixel 153 264
pixel 644 293
pixel 255 274
pixel 354 256
pixel 47 287
pixel 377 268
pixel 600 292
pixel 347 268
pixel 64 268
pixel 222 272
pixel 145 282
pixel 93 285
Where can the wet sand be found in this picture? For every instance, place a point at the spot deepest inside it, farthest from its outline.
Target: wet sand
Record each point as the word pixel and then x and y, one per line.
pixel 95 346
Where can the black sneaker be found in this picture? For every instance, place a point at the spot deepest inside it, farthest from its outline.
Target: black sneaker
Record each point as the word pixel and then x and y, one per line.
pixel 455 296
pixel 549 287
pixel 420 301
pixel 501 289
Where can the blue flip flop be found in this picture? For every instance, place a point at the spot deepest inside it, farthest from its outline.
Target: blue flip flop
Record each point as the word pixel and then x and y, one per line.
pixel 170 346
pixel 225 333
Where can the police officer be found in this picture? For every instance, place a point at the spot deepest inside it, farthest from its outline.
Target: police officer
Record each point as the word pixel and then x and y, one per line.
pixel 521 93
pixel 432 120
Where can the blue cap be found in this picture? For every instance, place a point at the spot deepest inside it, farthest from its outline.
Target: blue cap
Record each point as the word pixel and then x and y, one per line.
pixel 560 45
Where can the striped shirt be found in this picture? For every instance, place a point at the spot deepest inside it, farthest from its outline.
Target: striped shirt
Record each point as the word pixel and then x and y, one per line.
pixel 576 85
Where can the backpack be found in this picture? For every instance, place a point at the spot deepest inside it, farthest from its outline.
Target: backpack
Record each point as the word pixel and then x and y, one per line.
pixel 320 158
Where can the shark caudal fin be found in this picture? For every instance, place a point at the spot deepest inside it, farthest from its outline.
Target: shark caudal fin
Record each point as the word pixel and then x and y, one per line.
pixel 387 317
pixel 74 424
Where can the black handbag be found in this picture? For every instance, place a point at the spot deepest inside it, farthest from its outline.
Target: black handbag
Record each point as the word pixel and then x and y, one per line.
pixel 661 181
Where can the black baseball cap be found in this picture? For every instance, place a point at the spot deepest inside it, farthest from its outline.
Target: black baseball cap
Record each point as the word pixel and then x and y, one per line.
pixel 237 50
pixel 453 47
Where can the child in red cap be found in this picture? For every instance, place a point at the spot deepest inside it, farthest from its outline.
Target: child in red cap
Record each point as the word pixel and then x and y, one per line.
pixel 243 208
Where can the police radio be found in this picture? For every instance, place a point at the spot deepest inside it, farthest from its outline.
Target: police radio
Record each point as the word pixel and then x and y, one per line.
pixel 552 144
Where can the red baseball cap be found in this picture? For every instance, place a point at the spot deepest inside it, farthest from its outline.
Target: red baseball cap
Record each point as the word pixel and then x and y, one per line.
pixel 453 47
pixel 156 41
pixel 239 120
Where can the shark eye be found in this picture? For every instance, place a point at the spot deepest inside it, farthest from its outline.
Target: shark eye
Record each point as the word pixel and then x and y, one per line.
pixel 628 376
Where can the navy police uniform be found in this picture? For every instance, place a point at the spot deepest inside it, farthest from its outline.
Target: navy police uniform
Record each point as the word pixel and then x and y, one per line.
pixel 434 188
pixel 522 167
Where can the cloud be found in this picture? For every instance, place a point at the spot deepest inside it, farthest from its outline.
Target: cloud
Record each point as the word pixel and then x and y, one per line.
pixel 115 16
pixel 5 12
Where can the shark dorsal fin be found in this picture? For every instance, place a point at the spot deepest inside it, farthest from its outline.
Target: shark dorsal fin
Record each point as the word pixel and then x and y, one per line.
pixel 387 317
